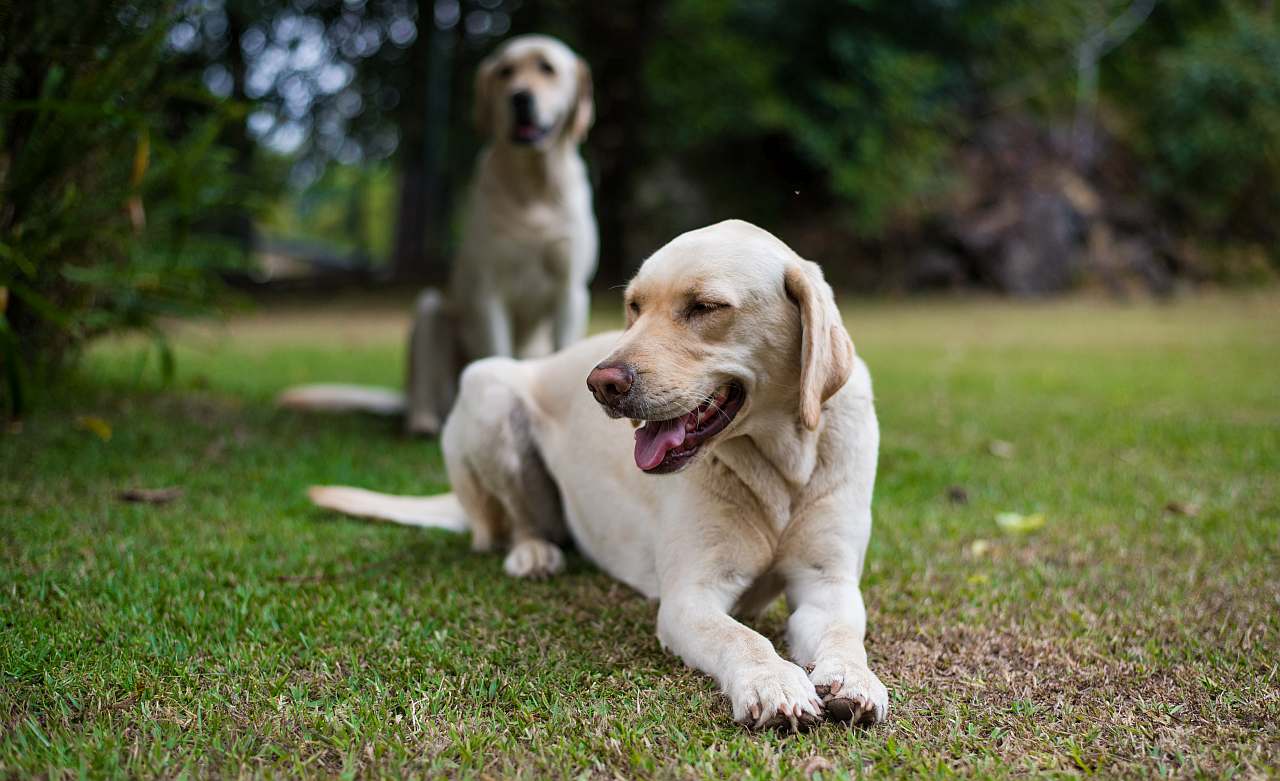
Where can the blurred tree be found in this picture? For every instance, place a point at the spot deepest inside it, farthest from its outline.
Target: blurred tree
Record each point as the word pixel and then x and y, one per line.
pixel 862 110
pixel 615 38
pixel 1210 134
pixel 417 210
pixel 866 115
pixel 105 175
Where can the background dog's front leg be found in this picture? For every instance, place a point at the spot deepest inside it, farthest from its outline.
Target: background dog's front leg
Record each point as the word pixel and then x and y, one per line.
pixel 763 688
pixel 493 331
pixel 572 301
pixel 570 323
pixel 826 631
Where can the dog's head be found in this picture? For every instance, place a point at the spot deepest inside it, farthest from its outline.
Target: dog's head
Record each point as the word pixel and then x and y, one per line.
pixel 534 91
pixel 723 324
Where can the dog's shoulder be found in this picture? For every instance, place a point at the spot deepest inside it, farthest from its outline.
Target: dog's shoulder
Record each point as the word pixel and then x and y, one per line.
pixel 849 438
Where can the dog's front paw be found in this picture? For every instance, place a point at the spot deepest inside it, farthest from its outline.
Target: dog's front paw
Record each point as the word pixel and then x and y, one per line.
pixel 850 692
pixel 535 559
pixel 776 696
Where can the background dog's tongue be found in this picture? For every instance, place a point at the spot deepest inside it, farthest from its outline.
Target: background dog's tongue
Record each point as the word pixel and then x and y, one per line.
pixel 655 438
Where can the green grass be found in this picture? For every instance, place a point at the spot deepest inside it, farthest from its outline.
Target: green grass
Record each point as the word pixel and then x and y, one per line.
pixel 239 631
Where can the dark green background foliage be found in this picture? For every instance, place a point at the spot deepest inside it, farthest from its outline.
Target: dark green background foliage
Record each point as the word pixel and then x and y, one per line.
pixel 793 82
pixel 872 98
pixel 1212 127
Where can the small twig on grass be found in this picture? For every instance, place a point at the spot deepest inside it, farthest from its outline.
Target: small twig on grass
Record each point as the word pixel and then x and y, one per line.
pixel 150 495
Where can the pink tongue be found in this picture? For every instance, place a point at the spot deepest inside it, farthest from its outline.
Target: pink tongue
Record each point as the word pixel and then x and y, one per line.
pixel 655 438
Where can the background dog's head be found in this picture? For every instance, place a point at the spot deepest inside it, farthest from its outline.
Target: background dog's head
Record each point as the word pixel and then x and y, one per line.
pixel 723 323
pixel 534 91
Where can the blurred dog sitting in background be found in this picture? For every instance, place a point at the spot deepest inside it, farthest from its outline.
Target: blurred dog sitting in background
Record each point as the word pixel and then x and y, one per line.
pixel 529 242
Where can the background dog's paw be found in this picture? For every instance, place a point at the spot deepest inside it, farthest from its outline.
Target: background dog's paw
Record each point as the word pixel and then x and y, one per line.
pixel 778 696
pixel 850 693
pixel 533 559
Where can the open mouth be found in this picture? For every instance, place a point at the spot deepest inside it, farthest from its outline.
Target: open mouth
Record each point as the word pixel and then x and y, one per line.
pixel 527 133
pixel 664 446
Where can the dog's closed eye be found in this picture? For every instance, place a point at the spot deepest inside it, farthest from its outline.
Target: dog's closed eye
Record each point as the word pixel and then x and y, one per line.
pixel 701 308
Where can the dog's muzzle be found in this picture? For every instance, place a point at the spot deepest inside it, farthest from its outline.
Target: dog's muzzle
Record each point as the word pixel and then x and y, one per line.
pixel 667 444
pixel 525 128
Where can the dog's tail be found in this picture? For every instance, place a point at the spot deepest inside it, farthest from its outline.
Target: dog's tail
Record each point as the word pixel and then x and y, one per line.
pixel 442 511
pixel 343 398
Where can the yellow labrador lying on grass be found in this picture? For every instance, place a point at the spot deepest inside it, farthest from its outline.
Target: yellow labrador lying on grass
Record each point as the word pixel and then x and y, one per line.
pixel 528 246
pixel 750 476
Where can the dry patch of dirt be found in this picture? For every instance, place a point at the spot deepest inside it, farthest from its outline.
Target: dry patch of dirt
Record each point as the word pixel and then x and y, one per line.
pixel 1061 703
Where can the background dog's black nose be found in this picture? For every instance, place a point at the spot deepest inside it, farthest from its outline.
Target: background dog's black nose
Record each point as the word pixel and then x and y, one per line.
pixel 522 104
pixel 609 383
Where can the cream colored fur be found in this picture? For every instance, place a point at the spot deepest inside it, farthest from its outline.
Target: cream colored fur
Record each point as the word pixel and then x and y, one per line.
pixel 779 502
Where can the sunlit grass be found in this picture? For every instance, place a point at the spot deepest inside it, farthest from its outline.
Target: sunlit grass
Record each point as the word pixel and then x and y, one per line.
pixel 237 630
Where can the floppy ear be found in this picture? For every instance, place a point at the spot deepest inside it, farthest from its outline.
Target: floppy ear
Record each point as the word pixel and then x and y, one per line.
pixel 584 107
pixel 826 351
pixel 483 109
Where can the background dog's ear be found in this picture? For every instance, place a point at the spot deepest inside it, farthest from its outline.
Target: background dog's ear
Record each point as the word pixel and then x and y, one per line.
pixel 584 107
pixel 483 109
pixel 826 351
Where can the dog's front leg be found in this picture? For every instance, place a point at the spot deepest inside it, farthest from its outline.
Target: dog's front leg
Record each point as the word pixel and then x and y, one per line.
pixel 572 302
pixel 495 332
pixel 570 323
pixel 829 620
pixel 763 688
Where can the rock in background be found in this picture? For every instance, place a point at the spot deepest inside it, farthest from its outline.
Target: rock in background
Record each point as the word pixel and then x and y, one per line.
pixel 1027 221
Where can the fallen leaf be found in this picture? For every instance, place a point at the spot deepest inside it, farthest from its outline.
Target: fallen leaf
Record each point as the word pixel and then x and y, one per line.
pixel 958 495
pixel 150 495
pixel 96 425
pixel 1018 523
pixel 979 548
pixel 1001 449
pixel 1189 509
pixel 815 765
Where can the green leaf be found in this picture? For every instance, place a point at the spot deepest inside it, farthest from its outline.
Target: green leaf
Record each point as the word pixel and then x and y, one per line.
pixel 1017 523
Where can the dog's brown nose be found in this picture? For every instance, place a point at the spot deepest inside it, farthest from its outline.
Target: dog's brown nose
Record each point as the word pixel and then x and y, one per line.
pixel 609 383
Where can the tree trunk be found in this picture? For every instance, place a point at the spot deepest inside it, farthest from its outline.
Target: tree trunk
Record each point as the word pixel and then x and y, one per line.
pixel 614 37
pixel 408 253
pixel 239 224
pixel 418 250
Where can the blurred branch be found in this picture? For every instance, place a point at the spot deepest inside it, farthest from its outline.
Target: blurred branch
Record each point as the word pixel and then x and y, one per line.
pixel 1088 54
